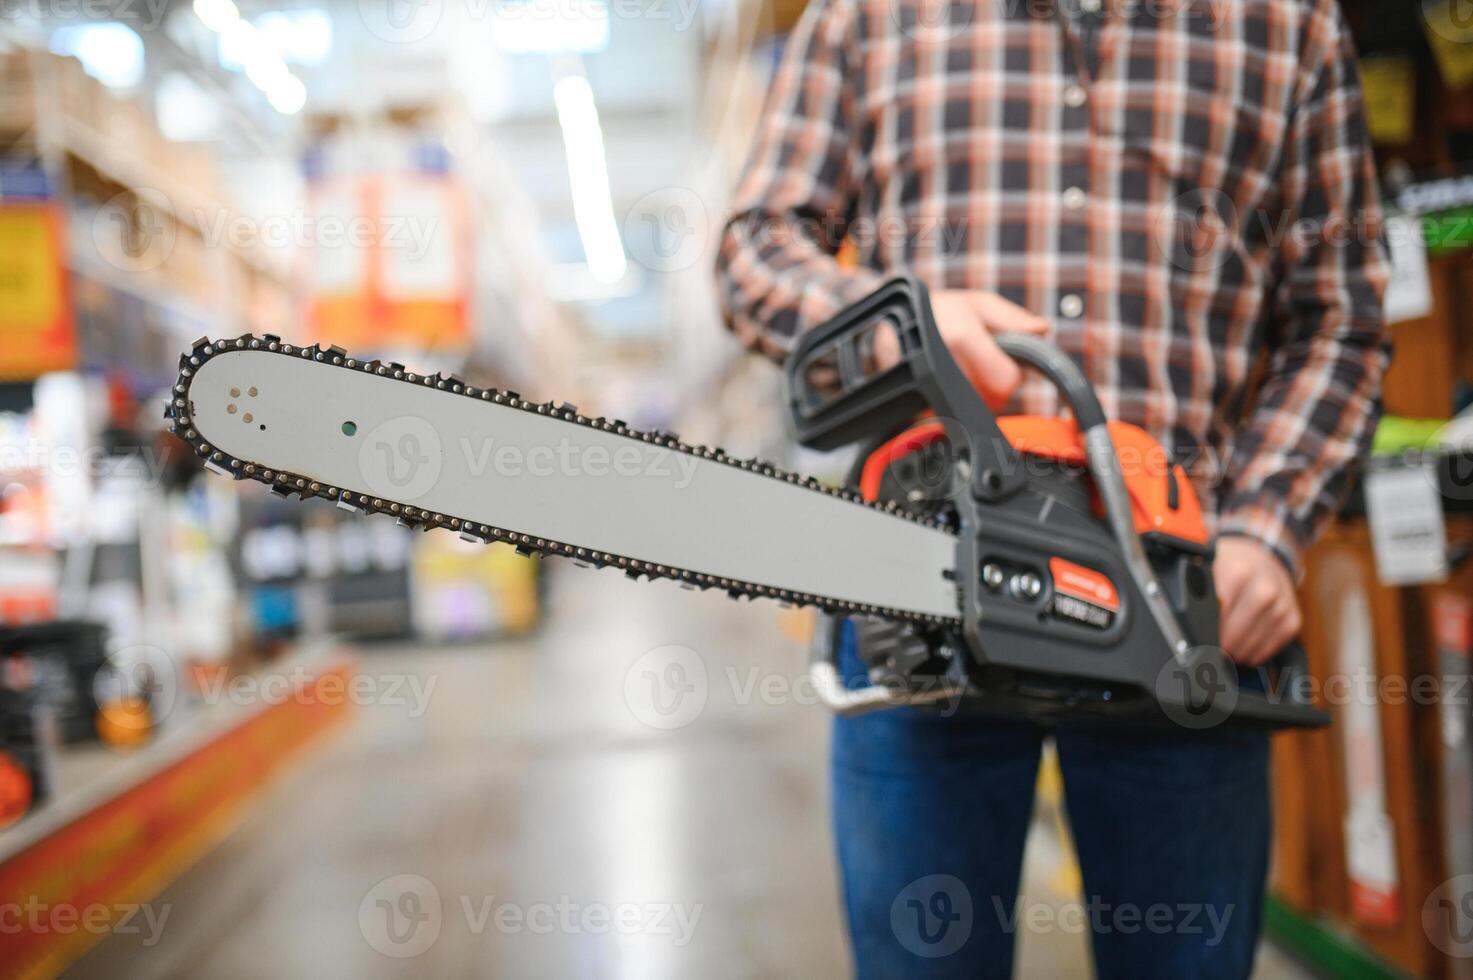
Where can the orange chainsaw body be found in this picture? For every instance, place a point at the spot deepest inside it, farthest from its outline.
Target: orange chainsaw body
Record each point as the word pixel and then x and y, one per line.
pixel 1163 500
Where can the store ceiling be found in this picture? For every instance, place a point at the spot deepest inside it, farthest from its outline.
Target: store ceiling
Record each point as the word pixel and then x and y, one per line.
pixel 645 78
pixel 645 84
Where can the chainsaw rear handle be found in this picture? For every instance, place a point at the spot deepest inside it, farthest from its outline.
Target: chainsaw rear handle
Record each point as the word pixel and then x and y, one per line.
pixel 1104 468
pixel 1280 704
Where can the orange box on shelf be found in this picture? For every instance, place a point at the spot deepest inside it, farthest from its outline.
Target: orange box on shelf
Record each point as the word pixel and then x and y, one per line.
pixel 1423 374
pixel 35 297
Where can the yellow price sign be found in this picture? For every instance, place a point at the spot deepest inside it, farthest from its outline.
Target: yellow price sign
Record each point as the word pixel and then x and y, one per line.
pixel 1449 27
pixel 35 313
pixel 1390 85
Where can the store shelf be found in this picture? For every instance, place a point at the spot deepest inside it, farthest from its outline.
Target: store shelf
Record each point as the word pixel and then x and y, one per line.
pixel 121 827
pixel 1319 944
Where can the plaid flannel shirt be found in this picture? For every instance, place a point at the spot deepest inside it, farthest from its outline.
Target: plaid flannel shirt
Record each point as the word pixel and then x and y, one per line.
pixel 1177 185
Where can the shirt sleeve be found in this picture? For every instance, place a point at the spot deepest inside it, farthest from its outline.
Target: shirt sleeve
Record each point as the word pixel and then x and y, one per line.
pixel 1320 401
pixel 776 269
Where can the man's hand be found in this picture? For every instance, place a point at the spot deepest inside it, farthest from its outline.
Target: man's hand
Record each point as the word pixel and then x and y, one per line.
pixel 1260 613
pixel 967 319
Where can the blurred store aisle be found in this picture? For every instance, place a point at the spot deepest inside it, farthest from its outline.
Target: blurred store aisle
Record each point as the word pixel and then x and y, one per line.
pixel 538 795
pixel 530 781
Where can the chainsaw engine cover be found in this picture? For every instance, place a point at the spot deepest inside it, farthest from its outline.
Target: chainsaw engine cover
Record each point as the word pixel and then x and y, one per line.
pixel 1060 628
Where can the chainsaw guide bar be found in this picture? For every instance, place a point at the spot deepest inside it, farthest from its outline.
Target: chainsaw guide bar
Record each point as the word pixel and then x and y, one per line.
pixel 241 403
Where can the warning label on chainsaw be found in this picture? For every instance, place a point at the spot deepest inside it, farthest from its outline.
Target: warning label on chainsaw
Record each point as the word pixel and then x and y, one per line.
pixel 1083 594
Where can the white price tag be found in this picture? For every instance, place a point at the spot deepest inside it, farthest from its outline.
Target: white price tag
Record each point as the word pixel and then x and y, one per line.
pixel 1408 532
pixel 1409 289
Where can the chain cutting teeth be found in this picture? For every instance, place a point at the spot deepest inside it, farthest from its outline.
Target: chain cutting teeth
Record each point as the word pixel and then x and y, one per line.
pixel 177 410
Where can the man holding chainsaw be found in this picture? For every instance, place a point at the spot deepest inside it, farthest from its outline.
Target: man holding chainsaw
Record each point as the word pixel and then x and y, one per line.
pixel 1170 191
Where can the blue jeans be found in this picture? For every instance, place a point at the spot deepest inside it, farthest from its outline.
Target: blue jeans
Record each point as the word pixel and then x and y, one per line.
pixel 930 816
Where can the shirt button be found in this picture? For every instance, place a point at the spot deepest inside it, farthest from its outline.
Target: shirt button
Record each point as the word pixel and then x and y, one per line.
pixel 1074 198
pixel 1071 306
pixel 1075 96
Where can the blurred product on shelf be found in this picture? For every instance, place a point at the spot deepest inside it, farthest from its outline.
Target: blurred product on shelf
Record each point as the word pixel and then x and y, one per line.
pixel 1373 815
pixel 317 569
pixel 60 663
pixel 307 571
pixel 28 745
pixel 465 590
pixel 125 722
pixel 1359 806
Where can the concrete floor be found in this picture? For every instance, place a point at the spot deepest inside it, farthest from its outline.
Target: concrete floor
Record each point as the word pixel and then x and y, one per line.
pixel 539 815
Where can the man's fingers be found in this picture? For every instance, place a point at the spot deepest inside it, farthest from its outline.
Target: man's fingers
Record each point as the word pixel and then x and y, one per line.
pixel 994 374
pixel 1260 623
pixel 968 319
pixel 1260 613
pixel 1257 643
pixel 1230 578
pixel 1003 316
pixel 1273 630
pixel 887 349
pixel 1267 634
pixel 1234 633
pixel 1242 618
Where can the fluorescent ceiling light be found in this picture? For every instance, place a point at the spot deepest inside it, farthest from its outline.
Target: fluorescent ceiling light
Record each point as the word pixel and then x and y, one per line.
pixel 571 282
pixel 186 113
pixel 299 37
pixel 216 14
pixel 548 26
pixel 288 95
pixel 245 47
pixel 593 207
pixel 110 52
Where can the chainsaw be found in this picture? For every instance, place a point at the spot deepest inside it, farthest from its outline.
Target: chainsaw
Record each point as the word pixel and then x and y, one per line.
pixel 1021 566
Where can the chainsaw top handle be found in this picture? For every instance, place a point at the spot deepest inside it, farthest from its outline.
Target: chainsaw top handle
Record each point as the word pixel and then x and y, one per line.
pixel 838 397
